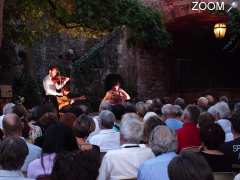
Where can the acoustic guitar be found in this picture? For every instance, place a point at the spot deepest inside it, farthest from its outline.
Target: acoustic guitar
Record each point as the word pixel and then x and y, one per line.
pixel 65 100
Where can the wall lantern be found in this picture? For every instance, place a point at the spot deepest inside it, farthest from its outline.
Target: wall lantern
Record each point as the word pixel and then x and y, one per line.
pixel 220 30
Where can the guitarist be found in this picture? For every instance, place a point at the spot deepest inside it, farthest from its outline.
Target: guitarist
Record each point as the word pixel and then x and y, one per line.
pixel 66 100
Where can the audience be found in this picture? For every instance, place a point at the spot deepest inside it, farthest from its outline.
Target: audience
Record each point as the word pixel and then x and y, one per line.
pixel 221 112
pixel 82 127
pixel 123 141
pixel 232 148
pixel 59 138
pixel 163 143
pixel 148 115
pixel 107 139
pixel 202 104
pixel 213 137
pixel 13 151
pixel 205 119
pixel 180 102
pixel 149 125
pixel 124 162
pixel 169 113
pixel 188 135
pixel 7 108
pixel 189 166
pixel 12 127
pixel 210 99
pixel 77 165
pixel 141 109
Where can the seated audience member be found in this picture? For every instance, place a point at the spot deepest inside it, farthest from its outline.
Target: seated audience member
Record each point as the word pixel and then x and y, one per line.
pixel 149 115
pixel 224 99
pixel 179 112
pixel 12 127
pixel 77 165
pixel 107 138
pixel 188 135
pixel 169 112
pixel 221 112
pixel 205 119
pixel 237 107
pixel 82 127
pixel 211 100
pixel 149 125
pixel 231 149
pixel 58 138
pixel 157 106
pixel 44 122
pixel 163 143
pixel 129 108
pixel 189 166
pixel 7 108
pixel 148 104
pixel 202 104
pixel 181 102
pixel 67 119
pixel 141 109
pixel 212 137
pixel 118 110
pixel 23 114
pixel 124 162
pixel 13 151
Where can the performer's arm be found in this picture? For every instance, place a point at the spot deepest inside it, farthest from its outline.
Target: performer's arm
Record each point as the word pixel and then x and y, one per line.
pixel 48 89
pixel 125 94
pixel 60 86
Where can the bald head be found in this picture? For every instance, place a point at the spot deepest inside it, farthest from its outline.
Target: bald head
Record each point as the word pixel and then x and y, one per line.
pixel 12 125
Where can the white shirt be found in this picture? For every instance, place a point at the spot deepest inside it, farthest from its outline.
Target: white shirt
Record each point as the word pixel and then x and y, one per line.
pixel 123 163
pixel 1 122
pixel 50 87
pixel 106 139
pixel 97 128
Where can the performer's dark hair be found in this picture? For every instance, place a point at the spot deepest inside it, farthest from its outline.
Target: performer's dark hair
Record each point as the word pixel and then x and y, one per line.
pixel 112 80
pixel 51 67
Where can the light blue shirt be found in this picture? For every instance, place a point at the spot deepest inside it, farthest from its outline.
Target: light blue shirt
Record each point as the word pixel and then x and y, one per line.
pixel 12 175
pixel 174 124
pixel 156 168
pixel 34 152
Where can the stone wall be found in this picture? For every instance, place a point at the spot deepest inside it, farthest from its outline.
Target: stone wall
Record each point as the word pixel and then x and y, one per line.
pixel 48 52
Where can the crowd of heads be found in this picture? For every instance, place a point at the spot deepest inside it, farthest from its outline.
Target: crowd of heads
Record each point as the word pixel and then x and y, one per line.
pixel 67 134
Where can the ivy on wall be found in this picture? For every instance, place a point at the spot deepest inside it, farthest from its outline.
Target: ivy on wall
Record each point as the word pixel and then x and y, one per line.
pixel 26 21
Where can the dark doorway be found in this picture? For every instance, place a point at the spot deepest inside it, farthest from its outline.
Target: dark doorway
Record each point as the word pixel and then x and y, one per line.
pixel 200 62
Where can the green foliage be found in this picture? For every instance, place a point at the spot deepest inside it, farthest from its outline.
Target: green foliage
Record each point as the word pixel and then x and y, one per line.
pixel 26 21
pixel 145 24
pixel 234 21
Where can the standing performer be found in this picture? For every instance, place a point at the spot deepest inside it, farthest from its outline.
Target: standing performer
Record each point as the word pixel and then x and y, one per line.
pixel 53 83
pixel 116 95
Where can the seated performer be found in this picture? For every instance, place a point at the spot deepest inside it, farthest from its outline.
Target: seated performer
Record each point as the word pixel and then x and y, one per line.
pixel 52 84
pixel 116 95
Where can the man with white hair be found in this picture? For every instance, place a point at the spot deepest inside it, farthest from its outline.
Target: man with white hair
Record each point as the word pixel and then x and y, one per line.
pixel 124 162
pixel 221 113
pixel 107 138
pixel 7 108
pixel 203 103
pixel 170 112
pixel 163 143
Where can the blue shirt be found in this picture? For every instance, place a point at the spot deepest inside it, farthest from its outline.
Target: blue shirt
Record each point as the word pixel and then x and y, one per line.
pixel 174 124
pixel 156 168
